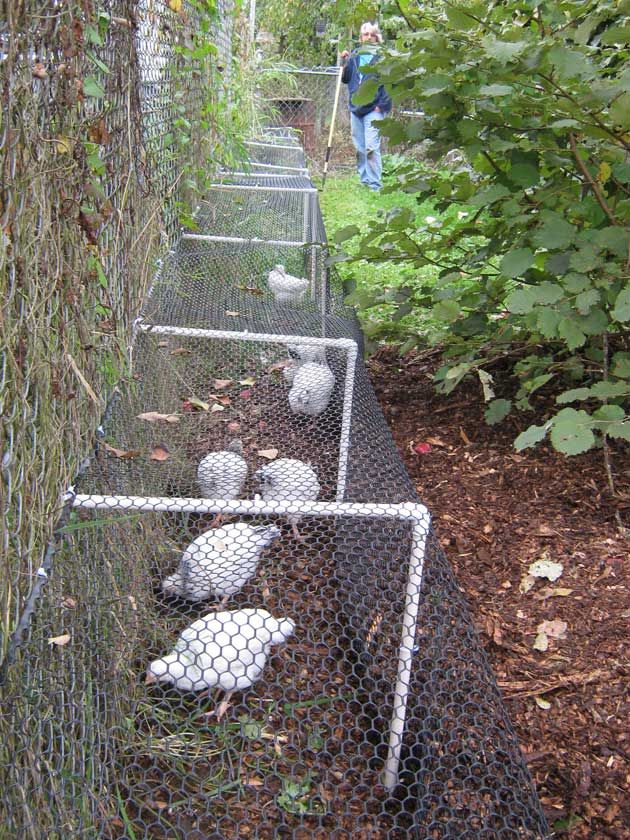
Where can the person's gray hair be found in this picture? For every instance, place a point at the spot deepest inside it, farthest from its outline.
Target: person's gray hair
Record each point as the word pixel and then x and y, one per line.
pixel 373 30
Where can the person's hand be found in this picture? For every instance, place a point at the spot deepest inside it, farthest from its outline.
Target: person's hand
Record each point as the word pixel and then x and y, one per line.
pixel 345 54
pixel 378 110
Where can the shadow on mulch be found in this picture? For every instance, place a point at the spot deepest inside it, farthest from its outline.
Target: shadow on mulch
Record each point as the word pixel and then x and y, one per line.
pixel 496 511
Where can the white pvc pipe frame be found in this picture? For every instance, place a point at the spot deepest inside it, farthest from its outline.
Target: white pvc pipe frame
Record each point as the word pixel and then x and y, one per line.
pixel 416 515
pixel 346 344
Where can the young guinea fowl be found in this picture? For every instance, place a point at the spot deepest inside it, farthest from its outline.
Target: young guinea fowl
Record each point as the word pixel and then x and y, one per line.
pixel 312 386
pixel 226 650
pixel 288 480
pixel 301 354
pixel 219 562
pixel 221 475
pixel 285 287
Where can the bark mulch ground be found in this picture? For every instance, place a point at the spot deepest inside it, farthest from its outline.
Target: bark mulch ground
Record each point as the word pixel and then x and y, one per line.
pixel 497 511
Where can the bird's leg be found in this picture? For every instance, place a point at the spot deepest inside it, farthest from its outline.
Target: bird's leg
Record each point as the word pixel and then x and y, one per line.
pixel 224 705
pixel 221 709
pixel 295 532
pixel 216 522
pixel 223 601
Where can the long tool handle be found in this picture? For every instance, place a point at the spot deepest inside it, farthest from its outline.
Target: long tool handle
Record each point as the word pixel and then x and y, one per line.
pixel 332 125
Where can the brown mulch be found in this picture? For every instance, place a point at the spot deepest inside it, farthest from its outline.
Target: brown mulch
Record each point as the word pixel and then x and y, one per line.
pixel 496 511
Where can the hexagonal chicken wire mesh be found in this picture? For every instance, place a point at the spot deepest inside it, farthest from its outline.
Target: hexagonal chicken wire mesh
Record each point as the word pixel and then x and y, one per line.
pixel 207 284
pixel 260 211
pixel 253 631
pixel 195 392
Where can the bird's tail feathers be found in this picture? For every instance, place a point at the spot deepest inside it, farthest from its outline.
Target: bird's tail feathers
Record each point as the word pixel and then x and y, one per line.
pixel 286 628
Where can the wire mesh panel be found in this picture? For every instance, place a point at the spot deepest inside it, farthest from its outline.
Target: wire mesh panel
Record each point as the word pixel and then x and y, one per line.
pixel 277 708
pixel 197 393
pixel 211 285
pixel 276 154
pixel 289 214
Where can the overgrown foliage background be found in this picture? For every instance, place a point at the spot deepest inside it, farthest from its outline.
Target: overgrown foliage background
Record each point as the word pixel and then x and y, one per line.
pixel 110 115
pixel 525 261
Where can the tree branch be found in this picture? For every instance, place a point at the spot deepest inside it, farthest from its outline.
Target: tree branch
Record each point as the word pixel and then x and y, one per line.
pixel 591 181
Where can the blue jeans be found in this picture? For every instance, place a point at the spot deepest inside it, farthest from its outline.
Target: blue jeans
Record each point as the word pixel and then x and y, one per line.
pixel 367 142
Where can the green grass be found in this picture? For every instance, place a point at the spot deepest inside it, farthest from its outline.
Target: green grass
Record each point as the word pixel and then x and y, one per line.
pixel 345 201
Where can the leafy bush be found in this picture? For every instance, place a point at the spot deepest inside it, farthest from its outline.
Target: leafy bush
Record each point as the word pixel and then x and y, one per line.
pixel 530 244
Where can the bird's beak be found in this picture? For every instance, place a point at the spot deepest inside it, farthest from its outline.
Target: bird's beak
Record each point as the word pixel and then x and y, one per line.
pixel 150 678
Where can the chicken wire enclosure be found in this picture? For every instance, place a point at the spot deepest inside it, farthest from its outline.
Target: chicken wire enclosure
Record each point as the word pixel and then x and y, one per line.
pixel 195 392
pixel 323 737
pixel 276 154
pixel 208 284
pixel 262 212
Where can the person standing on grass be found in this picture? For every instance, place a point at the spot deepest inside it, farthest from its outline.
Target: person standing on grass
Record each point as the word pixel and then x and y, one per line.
pixel 364 118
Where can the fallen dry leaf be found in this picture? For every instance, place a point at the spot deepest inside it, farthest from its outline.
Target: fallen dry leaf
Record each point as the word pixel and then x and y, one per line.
pixel 156 417
pixel 541 642
pixel 555 629
pixel 248 381
pixel 216 407
pixel 69 603
pixel 222 383
pixel 121 453
pixel 246 394
pixel 546 568
pixel 232 313
pixel 193 402
pixel 422 448
pixel 542 703
pixel 254 290
pixel 464 436
pixel 526 583
pixel 159 453
pixel 39 70
pixel 234 427
pixel 163 344
pixel 270 454
pixel 181 351
pixel 436 441
pixel 60 641
pixel 552 593
pixel 224 400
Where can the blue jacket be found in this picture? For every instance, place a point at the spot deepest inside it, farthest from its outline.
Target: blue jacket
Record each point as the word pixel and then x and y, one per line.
pixel 353 74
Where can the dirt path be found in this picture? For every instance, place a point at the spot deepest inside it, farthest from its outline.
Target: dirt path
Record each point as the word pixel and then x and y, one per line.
pixel 496 512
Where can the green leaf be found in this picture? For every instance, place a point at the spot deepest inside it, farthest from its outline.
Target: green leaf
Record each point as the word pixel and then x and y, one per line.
pixel 366 93
pixel 572 395
pixel 531 436
pixel 585 300
pixel 609 413
pixel 575 283
pixel 609 390
pixel 515 263
pixel 614 239
pixel 621 171
pixel 571 432
pixel 503 51
pixel 595 323
pixel 547 323
pixel 586 259
pixel 620 111
pixel 621 365
pixel 522 300
pixel 496 90
pixel 91 87
pixel 497 411
pixel 621 311
pixel 555 233
pixel 524 174
pixel 570 332
pixel 548 293
pixel 447 310
pixel 345 233
pixel 570 64
pixel 435 83
pixel 459 19
pixel 489 195
pixel 619 430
